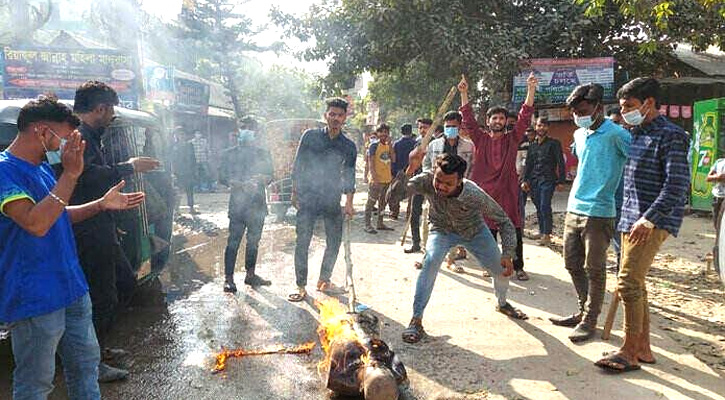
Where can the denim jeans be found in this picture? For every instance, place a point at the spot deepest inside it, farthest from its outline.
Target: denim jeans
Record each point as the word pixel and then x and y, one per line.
pixel 541 194
pixel 35 341
pixel 482 246
pixel 306 217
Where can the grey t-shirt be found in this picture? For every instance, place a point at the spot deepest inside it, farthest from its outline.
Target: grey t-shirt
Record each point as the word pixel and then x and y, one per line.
pixel 718 189
pixel 464 214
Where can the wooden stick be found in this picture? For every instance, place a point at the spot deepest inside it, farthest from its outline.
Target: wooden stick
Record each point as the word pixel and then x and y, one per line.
pixel 613 306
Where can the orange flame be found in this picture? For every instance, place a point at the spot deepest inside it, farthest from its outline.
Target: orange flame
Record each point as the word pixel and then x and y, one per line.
pixel 336 325
pixel 221 358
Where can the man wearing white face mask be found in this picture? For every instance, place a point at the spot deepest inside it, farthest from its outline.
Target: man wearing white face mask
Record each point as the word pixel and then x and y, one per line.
pixel 601 147
pixel 656 180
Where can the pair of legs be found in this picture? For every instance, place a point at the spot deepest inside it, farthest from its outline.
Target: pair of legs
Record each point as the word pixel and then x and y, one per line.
pixel 483 247
pixel 541 195
pixel 519 261
pixel 306 217
pixel 636 262
pixel 586 240
pixel 251 221
pixel 416 211
pixel 376 195
pixel 67 332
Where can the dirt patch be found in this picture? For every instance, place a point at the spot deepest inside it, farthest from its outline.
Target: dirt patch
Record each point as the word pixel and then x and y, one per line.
pixel 680 290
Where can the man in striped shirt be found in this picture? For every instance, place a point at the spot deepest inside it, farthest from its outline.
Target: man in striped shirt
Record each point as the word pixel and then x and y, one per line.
pixel 656 179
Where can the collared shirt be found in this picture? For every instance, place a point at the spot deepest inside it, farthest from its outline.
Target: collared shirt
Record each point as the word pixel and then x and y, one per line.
pixel 463 214
pixel 241 168
pixel 602 154
pixel 718 189
pixel 494 161
pixel 324 168
pixel 545 162
pixel 657 176
pixel 99 175
pixel 38 275
pixel 201 149
pixel 402 148
pixel 463 148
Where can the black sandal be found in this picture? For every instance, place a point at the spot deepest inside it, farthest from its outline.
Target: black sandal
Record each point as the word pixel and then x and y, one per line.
pixel 511 312
pixel 414 332
pixel 617 363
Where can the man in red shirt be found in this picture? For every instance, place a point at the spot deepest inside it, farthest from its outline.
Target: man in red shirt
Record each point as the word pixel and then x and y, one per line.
pixel 494 159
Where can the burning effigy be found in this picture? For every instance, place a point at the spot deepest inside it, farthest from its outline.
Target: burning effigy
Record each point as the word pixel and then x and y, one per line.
pixel 357 362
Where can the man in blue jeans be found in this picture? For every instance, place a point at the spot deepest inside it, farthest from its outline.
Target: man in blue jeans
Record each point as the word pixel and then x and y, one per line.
pixel 457 209
pixel 43 292
pixel 544 173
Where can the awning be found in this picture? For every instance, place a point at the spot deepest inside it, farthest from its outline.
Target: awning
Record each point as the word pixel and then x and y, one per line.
pixel 221 113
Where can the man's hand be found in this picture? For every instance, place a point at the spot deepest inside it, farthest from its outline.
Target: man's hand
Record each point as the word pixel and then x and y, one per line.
pixel 71 155
pixel 115 200
pixel 349 209
pixel 525 187
pixel 415 160
pixel 559 187
pixel 640 233
pixel 508 266
pixel 463 85
pixel 532 82
pixel 144 164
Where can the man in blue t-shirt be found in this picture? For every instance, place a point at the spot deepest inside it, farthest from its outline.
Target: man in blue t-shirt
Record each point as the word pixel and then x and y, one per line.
pixel 43 293
pixel 601 147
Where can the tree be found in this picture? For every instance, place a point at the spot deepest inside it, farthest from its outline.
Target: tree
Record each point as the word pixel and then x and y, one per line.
pixel 213 32
pixel 483 38
pixel 19 19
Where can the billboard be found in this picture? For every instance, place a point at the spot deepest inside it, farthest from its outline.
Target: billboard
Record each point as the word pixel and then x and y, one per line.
pixel 559 76
pixel 158 82
pixel 31 71
pixel 191 96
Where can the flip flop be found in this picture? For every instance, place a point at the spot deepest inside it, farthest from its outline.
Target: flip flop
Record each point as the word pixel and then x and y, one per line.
pixel 297 297
pixel 613 362
pixel 613 352
pixel 511 312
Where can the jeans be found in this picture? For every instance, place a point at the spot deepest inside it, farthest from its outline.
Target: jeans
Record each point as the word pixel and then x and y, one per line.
pixel 482 246
pixel 541 194
pixel 416 212
pixel 586 240
pixel 636 262
pixel 253 223
pixel 35 341
pixel 519 260
pixel 306 217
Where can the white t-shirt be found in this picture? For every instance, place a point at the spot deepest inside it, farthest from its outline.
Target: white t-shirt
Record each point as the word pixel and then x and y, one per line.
pixel 718 189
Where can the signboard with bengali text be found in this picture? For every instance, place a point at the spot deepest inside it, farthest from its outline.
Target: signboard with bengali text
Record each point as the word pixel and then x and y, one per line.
pixel 31 71
pixel 559 76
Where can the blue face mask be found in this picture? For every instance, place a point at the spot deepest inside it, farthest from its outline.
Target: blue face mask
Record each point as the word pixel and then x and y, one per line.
pixel 53 157
pixel 245 136
pixel 451 132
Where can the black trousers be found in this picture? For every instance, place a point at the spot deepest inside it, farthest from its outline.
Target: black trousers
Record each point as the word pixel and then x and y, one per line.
pixel 415 214
pixel 519 261
pixel 253 223
pixel 102 259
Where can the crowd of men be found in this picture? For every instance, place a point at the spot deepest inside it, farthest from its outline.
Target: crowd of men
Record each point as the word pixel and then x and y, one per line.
pixel 62 262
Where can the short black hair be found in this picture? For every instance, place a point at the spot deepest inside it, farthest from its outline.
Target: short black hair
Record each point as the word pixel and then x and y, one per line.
pixel 93 94
pixel 497 110
pixel 614 111
pixel 451 163
pixel 383 127
pixel 543 120
pixel 337 102
pixel 453 115
pixel 591 92
pixel 439 129
pixel 425 121
pixel 641 89
pixel 406 129
pixel 46 109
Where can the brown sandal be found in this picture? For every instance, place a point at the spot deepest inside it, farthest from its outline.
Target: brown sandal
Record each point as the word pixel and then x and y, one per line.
pixel 299 296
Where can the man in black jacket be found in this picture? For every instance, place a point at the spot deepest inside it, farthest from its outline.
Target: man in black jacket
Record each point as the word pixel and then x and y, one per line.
pixel 545 172
pixel 99 250
pixel 247 170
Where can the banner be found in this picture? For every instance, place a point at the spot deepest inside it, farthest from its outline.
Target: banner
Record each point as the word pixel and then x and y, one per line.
pixel 31 71
pixel 191 96
pixel 158 82
pixel 559 76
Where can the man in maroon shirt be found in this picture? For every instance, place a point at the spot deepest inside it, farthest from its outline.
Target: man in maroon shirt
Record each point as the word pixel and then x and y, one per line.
pixel 494 160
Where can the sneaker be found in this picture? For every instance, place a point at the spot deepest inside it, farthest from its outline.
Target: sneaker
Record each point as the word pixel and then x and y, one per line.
pixel 107 373
pixel 256 280
pixel 230 287
pixel 113 354
pixel 582 332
